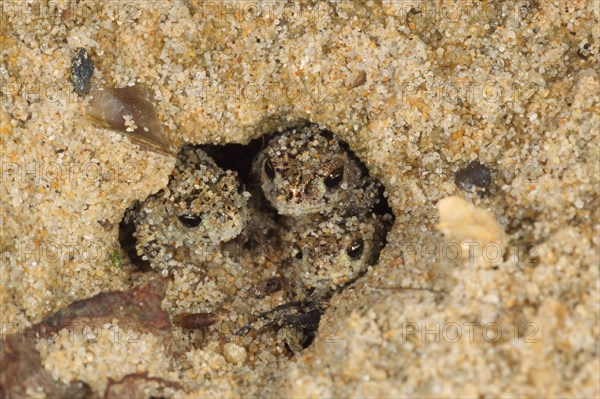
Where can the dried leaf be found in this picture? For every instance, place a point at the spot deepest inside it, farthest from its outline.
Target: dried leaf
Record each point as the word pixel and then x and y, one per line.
pixel 129 110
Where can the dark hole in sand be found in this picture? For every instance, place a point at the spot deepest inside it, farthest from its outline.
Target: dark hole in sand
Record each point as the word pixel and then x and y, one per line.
pixel 127 242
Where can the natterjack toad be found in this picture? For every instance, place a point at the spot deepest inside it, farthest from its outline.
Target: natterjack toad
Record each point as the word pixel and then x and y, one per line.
pixel 308 170
pixel 323 255
pixel 202 206
pixel 329 252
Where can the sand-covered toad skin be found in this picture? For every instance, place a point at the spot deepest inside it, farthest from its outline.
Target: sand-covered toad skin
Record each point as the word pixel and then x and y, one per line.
pixel 308 170
pixel 202 206
pixel 327 253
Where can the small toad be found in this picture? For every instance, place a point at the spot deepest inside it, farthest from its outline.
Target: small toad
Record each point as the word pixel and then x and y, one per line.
pixel 322 256
pixel 202 207
pixel 327 253
pixel 308 170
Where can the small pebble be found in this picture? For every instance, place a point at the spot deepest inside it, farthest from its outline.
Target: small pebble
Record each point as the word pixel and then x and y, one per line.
pixel 82 69
pixel 267 287
pixel 361 78
pixel 474 174
pixel 234 353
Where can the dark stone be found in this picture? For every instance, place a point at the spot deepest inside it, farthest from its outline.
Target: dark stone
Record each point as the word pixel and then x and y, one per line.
pixel 267 287
pixel 82 70
pixel 474 174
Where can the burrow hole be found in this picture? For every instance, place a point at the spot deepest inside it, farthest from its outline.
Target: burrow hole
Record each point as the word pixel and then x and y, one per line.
pixel 239 158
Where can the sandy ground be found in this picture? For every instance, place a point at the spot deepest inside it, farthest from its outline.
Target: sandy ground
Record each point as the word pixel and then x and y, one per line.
pixel 418 91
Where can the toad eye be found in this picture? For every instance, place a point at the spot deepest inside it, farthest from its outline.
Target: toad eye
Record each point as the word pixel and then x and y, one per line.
pixel 189 220
pixel 334 179
pixel 356 248
pixel 269 170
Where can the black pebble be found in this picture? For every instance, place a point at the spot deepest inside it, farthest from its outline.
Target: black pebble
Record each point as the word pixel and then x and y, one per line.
pixel 474 174
pixel 82 69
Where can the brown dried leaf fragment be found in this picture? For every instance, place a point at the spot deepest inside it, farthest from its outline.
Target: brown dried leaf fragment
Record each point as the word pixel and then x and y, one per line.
pixel 22 368
pixel 129 110
pixel 195 320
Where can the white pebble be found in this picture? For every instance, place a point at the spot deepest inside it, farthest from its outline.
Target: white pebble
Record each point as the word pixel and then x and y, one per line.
pixel 234 353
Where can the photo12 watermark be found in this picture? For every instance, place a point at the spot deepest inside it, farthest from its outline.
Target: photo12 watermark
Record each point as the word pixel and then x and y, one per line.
pixel 57 251
pixel 460 252
pixel 63 172
pixel 469 331
pixel 70 11
pixel 88 331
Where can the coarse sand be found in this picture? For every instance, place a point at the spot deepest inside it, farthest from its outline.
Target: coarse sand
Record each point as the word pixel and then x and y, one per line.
pixel 418 90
